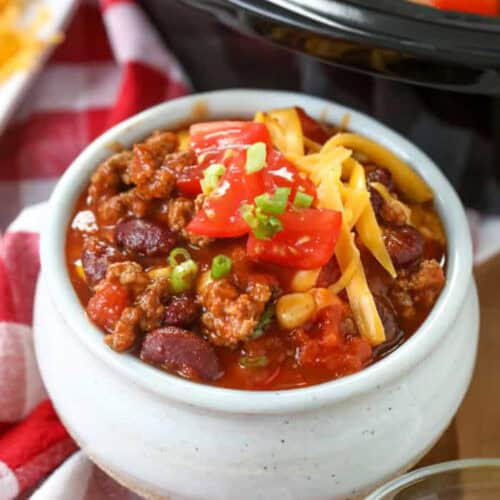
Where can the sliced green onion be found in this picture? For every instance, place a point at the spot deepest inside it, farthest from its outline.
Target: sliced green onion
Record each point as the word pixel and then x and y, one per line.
pixel 248 215
pixel 264 321
pixel 211 177
pixel 256 157
pixel 183 276
pixel 276 204
pixel 266 230
pixel 254 361
pixel 263 226
pixel 221 266
pixel 303 200
pixel 260 215
pixel 173 257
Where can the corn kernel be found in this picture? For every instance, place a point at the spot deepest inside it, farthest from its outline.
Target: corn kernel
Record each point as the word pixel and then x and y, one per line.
pixel 303 281
pixel 295 309
pixel 159 273
pixel 323 297
pixel 80 271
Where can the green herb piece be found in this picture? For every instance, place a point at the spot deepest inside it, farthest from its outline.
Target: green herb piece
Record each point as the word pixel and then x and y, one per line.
pixel 265 320
pixel 256 157
pixel 211 177
pixel 303 200
pixel 263 226
pixel 183 276
pixel 221 266
pixel 253 361
pixel 266 230
pixel 173 257
pixel 276 204
pixel 247 212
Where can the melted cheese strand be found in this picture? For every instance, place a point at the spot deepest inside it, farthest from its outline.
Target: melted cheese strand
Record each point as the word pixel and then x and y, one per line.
pixel 410 184
pixel 360 297
pixel 285 129
pixel 367 227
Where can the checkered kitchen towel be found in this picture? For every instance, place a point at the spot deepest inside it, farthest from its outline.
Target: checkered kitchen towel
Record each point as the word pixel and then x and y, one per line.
pixel 95 79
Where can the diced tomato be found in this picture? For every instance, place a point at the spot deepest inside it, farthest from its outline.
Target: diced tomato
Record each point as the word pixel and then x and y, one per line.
pixel 220 216
pixel 188 180
pixel 311 128
pixel 226 135
pixel 307 241
pixel 211 139
pixel 106 306
pixel 282 173
pixel 483 7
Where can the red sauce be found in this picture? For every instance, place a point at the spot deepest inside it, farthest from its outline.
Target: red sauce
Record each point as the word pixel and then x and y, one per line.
pixel 326 348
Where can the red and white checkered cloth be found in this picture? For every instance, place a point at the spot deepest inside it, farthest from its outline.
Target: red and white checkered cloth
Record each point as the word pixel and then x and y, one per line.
pixel 112 65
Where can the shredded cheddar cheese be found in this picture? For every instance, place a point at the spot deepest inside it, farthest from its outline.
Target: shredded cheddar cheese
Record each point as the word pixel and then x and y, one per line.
pixel 410 184
pixel 285 130
pixel 183 138
pixel 341 185
pixel 20 42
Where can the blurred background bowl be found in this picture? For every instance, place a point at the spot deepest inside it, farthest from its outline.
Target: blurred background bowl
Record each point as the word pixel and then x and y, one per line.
pixel 473 479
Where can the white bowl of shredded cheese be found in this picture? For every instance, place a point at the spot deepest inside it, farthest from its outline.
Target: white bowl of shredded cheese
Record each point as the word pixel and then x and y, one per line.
pixel 29 30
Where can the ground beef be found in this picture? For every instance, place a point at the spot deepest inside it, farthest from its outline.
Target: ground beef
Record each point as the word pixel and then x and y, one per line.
pixel 125 331
pixel 178 161
pixel 130 275
pixel 180 212
pixel 147 310
pixel 231 315
pixel 108 178
pixel 129 181
pixel 394 212
pixel 418 287
pixel 152 180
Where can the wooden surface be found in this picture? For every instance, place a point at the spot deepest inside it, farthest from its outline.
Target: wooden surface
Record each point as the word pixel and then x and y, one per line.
pixel 475 432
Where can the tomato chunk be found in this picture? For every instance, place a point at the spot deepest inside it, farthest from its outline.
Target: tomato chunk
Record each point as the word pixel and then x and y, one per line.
pixel 226 135
pixel 220 216
pixel 483 7
pixel 212 138
pixel 307 240
pixel 282 173
pixel 188 180
pixel 107 305
pixel 311 128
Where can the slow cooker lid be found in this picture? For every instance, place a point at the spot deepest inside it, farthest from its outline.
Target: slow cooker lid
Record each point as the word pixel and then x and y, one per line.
pixel 394 24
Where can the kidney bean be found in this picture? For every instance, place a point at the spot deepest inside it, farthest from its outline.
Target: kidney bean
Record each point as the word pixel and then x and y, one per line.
pixel 393 334
pixel 96 257
pixel 181 311
pixel 376 200
pixel 173 348
pixel 381 175
pixel 144 237
pixel 329 274
pixel 405 244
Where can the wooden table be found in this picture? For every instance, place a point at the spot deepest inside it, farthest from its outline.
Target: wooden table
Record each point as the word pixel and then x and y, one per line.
pixel 475 431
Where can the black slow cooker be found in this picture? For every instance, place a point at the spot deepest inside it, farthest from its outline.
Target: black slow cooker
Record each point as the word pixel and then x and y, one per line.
pixel 434 76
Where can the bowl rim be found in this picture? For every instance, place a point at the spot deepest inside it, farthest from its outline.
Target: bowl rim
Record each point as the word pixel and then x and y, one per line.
pixel 432 470
pixel 240 103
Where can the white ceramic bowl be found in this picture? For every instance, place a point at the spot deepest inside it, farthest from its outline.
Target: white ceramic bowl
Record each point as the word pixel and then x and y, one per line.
pixel 168 437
